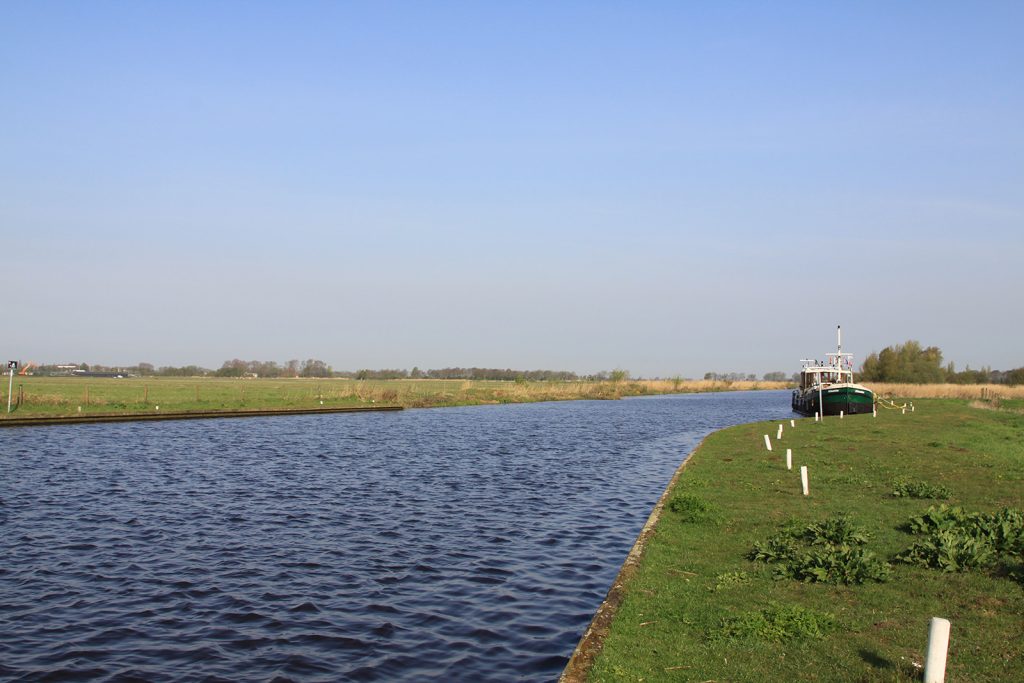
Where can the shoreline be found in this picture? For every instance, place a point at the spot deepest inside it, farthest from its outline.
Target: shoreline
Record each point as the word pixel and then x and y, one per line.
pixel 184 415
pixel 582 660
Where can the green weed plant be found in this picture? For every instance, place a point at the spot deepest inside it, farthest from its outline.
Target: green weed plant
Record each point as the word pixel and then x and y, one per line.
pixel 831 551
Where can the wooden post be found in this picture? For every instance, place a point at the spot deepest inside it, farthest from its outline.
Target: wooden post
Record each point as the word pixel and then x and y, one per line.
pixel 145 393
pixel 767 442
pixel 804 481
pixel 779 435
pixel 789 458
pixel 792 423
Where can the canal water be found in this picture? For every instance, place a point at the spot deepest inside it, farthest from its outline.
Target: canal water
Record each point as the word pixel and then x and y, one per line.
pixel 467 544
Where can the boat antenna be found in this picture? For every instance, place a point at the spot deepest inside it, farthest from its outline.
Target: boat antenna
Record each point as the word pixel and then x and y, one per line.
pixel 839 338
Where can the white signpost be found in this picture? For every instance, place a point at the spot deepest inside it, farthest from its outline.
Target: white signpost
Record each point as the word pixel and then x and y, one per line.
pixel 12 365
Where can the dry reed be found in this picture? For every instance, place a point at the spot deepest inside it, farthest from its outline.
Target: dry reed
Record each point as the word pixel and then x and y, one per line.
pixel 961 391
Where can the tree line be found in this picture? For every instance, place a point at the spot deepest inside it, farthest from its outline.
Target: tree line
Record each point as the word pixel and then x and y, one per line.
pixel 313 367
pixel 910 363
pixel 777 376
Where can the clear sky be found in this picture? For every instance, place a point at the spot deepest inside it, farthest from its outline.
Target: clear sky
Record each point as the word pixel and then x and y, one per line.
pixel 665 187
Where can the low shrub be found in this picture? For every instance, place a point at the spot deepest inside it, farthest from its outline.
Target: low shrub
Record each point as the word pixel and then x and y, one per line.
pixel 956 540
pixel 919 489
pixel 830 551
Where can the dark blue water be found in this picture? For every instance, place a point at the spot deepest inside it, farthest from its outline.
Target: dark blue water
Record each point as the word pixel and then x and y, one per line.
pixel 456 544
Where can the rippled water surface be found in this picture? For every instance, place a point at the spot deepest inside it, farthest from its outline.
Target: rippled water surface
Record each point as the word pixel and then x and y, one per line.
pixel 457 544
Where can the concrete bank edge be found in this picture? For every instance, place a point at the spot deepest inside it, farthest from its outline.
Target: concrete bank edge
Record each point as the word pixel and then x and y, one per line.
pixel 590 645
pixel 193 415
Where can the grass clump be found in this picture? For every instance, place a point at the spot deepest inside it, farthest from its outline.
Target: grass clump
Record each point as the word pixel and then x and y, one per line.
pixel 694 509
pixel 955 540
pixel 776 623
pixel 831 551
pixel 727 580
pixel 902 488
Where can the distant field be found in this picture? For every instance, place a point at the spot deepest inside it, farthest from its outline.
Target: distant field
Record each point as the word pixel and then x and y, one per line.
pixel 53 396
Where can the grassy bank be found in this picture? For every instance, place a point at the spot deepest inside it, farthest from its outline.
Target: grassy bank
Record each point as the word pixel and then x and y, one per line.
pixel 699 607
pixel 52 396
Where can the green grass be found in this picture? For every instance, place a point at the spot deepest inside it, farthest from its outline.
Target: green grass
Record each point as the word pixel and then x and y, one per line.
pixel 697 609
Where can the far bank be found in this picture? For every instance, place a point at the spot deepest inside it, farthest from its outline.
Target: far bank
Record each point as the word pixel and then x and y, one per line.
pixel 57 397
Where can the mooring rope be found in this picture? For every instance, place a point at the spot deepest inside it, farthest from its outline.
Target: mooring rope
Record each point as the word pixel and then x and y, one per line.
pixel 882 401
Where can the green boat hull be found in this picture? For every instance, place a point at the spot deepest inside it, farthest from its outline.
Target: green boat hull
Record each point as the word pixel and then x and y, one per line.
pixel 850 400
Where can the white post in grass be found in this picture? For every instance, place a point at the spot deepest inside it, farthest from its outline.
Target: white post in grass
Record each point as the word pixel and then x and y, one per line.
pixel 840 415
pixel 803 480
pixel 779 435
pixel 789 458
pixel 874 411
pixel 904 411
pixel 938 644
pixel 767 442
pixel 792 423
pixel 815 415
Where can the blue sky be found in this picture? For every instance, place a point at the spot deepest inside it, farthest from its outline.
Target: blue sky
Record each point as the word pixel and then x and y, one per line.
pixel 670 188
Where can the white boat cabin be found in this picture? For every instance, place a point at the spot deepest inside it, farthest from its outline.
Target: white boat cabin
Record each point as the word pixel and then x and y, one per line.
pixel 838 369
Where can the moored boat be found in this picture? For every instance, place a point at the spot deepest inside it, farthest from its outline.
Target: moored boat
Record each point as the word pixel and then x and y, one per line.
pixel 828 388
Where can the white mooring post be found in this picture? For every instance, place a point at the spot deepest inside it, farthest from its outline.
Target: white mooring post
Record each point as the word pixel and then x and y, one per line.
pixel 803 480
pixel 792 423
pixel 938 644
pixel 789 458
pixel 767 442
pixel 815 415
pixel 840 415
pixel 779 435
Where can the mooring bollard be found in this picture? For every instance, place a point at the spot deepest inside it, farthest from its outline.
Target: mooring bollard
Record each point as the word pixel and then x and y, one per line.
pixel 789 458
pixel 767 442
pixel 938 644
pixel 803 480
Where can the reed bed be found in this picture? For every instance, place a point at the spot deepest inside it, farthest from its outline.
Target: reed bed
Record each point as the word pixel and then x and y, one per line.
pixel 961 391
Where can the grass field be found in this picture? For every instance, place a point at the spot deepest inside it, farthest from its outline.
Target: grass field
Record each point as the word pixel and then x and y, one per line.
pixel 52 396
pixel 697 609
